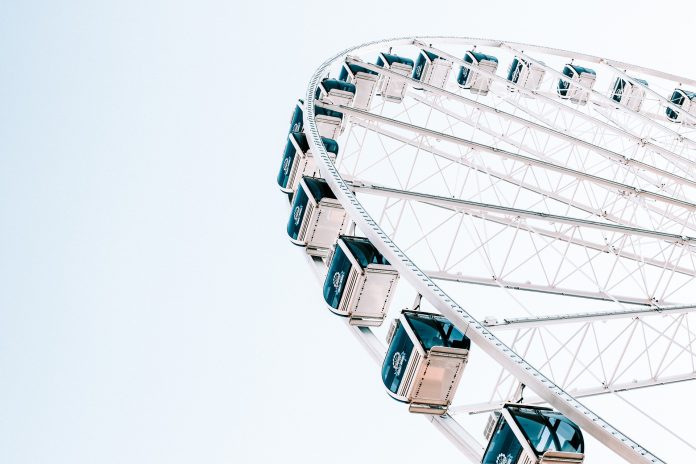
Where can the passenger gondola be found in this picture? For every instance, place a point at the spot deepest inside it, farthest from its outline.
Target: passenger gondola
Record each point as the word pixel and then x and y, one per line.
pixel 628 93
pixel 431 69
pixel 392 88
pixel 298 160
pixel 365 81
pixel 317 218
pixel 683 98
pixel 360 282
pixel 533 435
pixel 568 89
pixel 336 92
pixel 328 122
pixel 477 82
pixel 425 360
pixel 526 74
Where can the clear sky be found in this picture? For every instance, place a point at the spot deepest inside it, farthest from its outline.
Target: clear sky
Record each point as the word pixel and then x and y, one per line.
pixel 151 307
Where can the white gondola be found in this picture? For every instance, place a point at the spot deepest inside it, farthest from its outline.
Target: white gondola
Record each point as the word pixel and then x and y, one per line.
pixel 360 282
pixel 392 88
pixel 526 74
pixel 316 218
pixel 683 98
pixel 568 89
pixel 431 69
pixel 336 92
pixel 533 435
pixel 425 360
pixel 329 123
pixel 628 93
pixel 298 161
pixel 476 82
pixel 365 82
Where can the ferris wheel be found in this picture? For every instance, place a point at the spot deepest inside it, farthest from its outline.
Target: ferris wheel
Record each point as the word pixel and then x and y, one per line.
pixel 518 224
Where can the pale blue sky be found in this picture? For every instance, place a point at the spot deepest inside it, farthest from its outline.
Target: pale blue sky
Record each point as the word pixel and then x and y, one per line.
pixel 151 307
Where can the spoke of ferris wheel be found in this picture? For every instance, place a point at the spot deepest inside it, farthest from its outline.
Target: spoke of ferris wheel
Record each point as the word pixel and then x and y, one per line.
pixel 606 100
pixel 666 153
pixel 618 186
pixel 466 205
pixel 489 406
pixel 659 97
pixel 537 288
pixel 534 188
pixel 543 321
pixel 510 217
pixel 621 159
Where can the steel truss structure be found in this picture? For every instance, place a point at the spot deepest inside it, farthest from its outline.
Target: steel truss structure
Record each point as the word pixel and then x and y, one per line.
pixel 546 204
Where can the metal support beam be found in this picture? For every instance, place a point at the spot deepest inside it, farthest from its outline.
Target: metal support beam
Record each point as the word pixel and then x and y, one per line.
pixel 466 205
pixel 490 406
pixel 619 188
pixel 530 322
pixel 529 287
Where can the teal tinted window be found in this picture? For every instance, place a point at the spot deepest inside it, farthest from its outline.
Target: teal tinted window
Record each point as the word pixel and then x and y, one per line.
pixel 503 447
pixel 299 205
pixel 363 251
pixel 391 59
pixel 548 430
pixel 419 67
pixel 434 330
pixel 396 359
pixel 324 111
pixel 286 164
pixel 296 121
pixel 678 99
pixel 618 89
pixel 343 75
pixel 514 71
pixel 330 144
pixel 564 85
pixel 338 272
pixel 319 188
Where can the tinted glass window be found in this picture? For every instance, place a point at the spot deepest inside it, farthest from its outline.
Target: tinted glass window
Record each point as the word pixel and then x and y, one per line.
pixel 503 447
pixel 463 75
pixel 418 68
pixel 319 188
pixel 296 122
pixel 514 71
pixel 396 359
pixel 336 278
pixel 434 330
pixel 343 75
pixel 549 430
pixel 324 111
pixel 330 145
pixel 286 164
pixel 299 204
pixel 364 252
pixel 618 89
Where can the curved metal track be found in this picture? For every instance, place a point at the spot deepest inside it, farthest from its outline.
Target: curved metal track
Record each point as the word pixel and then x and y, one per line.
pixel 675 164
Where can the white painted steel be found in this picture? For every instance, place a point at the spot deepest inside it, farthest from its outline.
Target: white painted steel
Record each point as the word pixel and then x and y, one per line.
pixel 651 179
pixel 479 334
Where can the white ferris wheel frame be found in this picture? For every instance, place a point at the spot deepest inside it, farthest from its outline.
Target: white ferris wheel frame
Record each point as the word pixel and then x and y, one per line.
pixel 546 390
